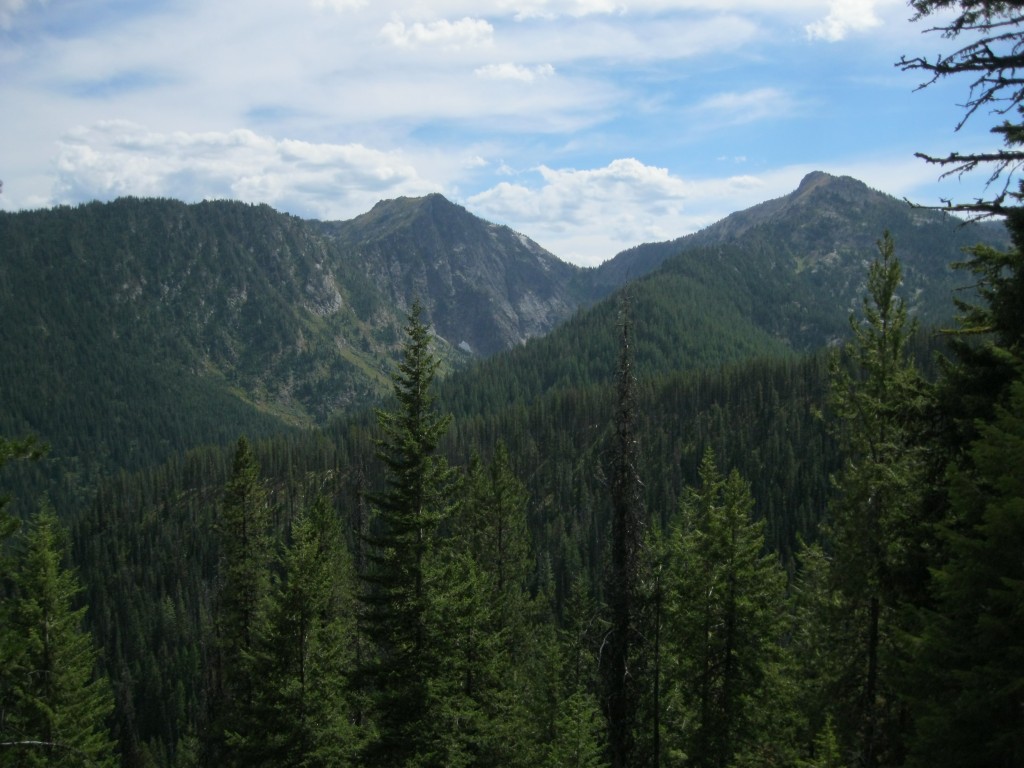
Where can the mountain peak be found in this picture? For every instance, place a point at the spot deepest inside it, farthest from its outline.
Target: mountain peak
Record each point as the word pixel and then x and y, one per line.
pixel 813 180
pixel 819 180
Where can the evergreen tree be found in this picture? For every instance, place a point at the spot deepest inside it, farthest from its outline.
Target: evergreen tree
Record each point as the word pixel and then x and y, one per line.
pixel 53 707
pixel 620 667
pixel 815 609
pixel 397 582
pixel 879 544
pixel 577 731
pixel 12 450
pixel 970 656
pixel 302 713
pixel 243 530
pixel 726 703
pixel 487 622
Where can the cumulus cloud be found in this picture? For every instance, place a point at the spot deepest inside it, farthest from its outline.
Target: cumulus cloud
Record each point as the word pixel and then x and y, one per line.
pixel 115 158
pixel 443 33
pixel 844 17
pixel 510 71
pixel 587 216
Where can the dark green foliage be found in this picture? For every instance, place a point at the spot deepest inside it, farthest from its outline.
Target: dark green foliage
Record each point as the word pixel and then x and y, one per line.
pixel 240 609
pixel 622 677
pixel 53 707
pixel 13 450
pixel 968 648
pixel 970 657
pixel 493 637
pixel 398 582
pixel 725 703
pixel 879 541
pixel 302 705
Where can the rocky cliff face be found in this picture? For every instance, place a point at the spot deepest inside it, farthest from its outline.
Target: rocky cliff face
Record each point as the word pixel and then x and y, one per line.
pixel 485 287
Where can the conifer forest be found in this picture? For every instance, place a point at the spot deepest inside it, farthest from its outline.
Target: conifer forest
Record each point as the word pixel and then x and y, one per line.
pixel 650 536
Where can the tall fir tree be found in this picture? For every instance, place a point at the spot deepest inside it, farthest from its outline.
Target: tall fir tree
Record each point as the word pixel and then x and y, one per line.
pixel 966 684
pixel 241 601
pixel 578 735
pixel 418 496
pixel 302 711
pixel 621 672
pixel 969 657
pixel 880 545
pixel 727 703
pixel 487 622
pixel 53 708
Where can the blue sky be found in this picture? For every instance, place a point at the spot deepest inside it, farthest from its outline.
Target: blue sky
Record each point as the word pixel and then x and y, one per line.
pixel 588 125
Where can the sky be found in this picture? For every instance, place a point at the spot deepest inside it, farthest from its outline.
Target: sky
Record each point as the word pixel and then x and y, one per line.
pixel 588 125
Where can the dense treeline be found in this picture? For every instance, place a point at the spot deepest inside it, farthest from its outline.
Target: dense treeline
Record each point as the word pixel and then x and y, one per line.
pixel 447 601
pixel 152 556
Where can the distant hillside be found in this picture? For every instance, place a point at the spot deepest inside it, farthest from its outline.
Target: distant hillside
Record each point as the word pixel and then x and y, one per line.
pixel 137 328
pixel 780 278
pixel 825 231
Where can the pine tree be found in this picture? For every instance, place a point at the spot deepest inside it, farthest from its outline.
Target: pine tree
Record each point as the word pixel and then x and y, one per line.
pixel 726 701
pixel 970 656
pixel 967 655
pixel 620 667
pixel 485 621
pixel 55 710
pixel 243 530
pixel 302 715
pixel 880 546
pixel 397 583
pixel 577 732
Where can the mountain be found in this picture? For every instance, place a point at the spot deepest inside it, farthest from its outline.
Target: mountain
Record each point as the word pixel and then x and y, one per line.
pixel 822 235
pixel 136 328
pixel 779 279
pixel 486 287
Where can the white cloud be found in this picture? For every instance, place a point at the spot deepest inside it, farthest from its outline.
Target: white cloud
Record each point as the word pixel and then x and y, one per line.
pixel 115 158
pixel 8 10
pixel 338 5
pixel 552 9
pixel 747 107
pixel 587 216
pixel 443 33
pixel 510 71
pixel 844 17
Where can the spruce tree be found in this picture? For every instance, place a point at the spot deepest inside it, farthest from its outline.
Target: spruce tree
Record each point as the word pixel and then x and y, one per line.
pixel 620 668
pixel 397 582
pixel 879 544
pixel 302 715
pixel 726 701
pixel 241 601
pixel 486 621
pixel 969 658
pixel 965 683
pixel 54 708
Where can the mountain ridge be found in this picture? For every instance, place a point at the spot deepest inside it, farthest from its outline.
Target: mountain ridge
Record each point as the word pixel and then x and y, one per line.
pixel 147 326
